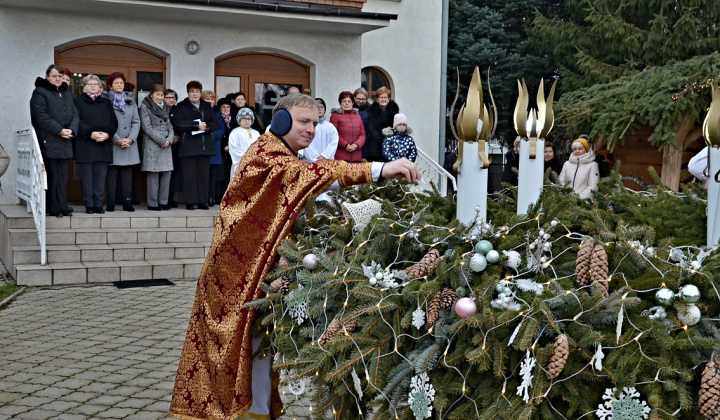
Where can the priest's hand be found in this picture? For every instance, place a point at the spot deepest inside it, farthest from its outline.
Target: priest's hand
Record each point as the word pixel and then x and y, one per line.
pixel 401 168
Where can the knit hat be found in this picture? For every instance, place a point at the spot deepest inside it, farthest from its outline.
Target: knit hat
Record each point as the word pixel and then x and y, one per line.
pixel 243 112
pixel 584 142
pixel 399 119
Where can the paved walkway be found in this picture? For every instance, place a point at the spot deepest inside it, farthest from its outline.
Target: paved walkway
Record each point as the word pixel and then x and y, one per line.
pixel 92 352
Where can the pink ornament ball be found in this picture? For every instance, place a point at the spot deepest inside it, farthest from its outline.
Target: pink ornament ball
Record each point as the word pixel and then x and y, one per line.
pixel 465 307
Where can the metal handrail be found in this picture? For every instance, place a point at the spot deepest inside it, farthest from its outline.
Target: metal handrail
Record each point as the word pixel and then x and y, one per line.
pixel 433 174
pixel 31 182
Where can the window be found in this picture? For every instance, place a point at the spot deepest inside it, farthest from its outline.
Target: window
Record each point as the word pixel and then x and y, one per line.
pixel 372 79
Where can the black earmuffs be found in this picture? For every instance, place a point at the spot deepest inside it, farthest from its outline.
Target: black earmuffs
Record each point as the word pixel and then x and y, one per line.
pixel 281 122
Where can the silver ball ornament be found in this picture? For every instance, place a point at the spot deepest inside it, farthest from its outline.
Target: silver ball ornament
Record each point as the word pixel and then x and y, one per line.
pixel 478 262
pixel 373 281
pixel 483 247
pixel 379 275
pixel 310 262
pixel 689 315
pixel 492 256
pixel 507 291
pixel 514 259
pixel 554 223
pixel 664 297
pixel 501 296
pixel 500 287
pixel 689 294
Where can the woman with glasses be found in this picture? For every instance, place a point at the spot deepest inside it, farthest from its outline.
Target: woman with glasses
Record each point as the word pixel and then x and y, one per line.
pixel 93 146
pixel 380 115
pixel 242 137
pixel 157 153
pixel 581 172
pixel 124 143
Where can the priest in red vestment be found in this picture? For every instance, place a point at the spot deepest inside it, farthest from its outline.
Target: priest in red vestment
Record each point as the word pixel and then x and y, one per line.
pixel 268 190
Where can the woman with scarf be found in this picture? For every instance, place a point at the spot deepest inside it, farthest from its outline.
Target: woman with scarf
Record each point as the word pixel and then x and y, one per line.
pixel 93 147
pixel 124 142
pixel 157 154
pixel 581 172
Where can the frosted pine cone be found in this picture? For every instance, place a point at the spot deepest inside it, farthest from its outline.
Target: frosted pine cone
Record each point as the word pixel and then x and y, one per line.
pixel 426 265
pixel 599 268
pixel 281 285
pixel 447 299
pixel 561 350
pixel 433 309
pixel 332 329
pixel 709 395
pixel 583 262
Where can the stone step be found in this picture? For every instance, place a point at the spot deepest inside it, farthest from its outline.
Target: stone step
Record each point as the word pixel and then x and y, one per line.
pixel 25 237
pixel 115 252
pixel 106 271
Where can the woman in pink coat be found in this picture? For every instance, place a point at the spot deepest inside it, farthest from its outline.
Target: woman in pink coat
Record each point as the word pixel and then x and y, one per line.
pixel 350 129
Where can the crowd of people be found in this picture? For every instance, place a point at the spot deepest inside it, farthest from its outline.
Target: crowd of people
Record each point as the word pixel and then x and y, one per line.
pixel 192 146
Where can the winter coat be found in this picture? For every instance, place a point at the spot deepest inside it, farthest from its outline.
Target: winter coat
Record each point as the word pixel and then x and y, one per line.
pixel 378 119
pixel 186 119
pixel 128 126
pixel 218 138
pixel 512 160
pixel 398 144
pixel 582 174
pixel 158 130
pixel 240 141
pixel 95 115
pixel 350 131
pixel 52 110
pixel 553 164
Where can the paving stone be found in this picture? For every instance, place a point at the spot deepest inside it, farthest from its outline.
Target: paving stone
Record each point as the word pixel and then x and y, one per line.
pixel 39 414
pixel 61 406
pixel 10 410
pixel 116 413
pixel 136 403
pixel 125 390
pixel 33 401
pixel 108 400
pixel 79 396
pixel 88 409
pixel 53 392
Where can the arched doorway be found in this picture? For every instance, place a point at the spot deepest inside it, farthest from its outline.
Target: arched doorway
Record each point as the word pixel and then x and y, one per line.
pixel 141 67
pixel 372 78
pixel 263 77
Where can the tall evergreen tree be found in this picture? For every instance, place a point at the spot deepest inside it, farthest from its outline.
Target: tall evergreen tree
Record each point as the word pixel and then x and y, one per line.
pixel 491 34
pixel 597 41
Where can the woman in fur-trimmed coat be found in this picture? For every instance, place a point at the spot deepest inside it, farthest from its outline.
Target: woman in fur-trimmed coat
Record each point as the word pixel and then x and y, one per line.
pixel 398 143
pixel 380 115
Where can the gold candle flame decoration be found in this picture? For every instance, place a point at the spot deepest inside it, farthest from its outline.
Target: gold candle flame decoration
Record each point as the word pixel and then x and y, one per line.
pixel 467 121
pixel 711 125
pixel 534 124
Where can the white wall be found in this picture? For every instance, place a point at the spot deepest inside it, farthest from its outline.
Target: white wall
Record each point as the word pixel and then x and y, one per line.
pixel 31 37
pixel 409 52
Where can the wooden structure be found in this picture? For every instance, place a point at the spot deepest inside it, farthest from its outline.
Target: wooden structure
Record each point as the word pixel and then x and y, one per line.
pixel 636 155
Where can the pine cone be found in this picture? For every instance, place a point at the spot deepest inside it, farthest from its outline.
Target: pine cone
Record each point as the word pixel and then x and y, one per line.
pixel 433 309
pixel 426 265
pixel 561 350
pixel 583 262
pixel 332 329
pixel 282 285
pixel 283 262
pixel 709 395
pixel 447 299
pixel 599 269
pixel 350 326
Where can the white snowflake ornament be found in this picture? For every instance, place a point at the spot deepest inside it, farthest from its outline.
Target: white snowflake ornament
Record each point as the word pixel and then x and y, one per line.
pixel 626 406
pixel 526 368
pixel 418 318
pixel 422 395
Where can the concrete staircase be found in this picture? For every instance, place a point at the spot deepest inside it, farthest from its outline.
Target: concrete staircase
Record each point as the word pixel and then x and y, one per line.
pixel 99 248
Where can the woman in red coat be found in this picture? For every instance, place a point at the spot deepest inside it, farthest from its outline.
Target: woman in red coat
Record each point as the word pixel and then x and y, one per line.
pixel 350 129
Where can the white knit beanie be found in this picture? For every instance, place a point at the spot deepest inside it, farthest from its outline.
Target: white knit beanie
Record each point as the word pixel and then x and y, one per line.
pixel 399 119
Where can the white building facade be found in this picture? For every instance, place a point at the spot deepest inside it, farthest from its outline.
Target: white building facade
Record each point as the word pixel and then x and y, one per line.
pixel 228 45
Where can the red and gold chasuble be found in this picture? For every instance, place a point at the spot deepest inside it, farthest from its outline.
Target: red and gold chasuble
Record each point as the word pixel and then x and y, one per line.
pixel 266 194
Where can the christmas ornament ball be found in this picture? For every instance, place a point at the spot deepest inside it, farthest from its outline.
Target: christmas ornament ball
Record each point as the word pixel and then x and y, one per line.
pixel 465 307
pixel 689 294
pixel 373 281
pixel 478 263
pixel 492 256
pixel 310 261
pixel 664 297
pixel 514 259
pixel 690 315
pixel 483 247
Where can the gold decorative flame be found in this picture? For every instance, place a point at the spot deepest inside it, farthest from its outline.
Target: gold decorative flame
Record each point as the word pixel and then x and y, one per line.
pixel 467 121
pixel 711 125
pixel 542 118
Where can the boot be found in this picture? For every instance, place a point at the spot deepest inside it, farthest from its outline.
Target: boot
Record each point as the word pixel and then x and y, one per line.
pixel 127 206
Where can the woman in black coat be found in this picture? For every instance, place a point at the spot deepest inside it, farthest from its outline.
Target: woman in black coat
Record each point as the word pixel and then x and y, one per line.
pixel 379 115
pixel 194 122
pixel 55 120
pixel 93 147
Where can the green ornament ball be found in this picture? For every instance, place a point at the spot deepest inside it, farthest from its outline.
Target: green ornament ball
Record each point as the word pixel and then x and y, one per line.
pixel 492 256
pixel 483 247
pixel 664 297
pixel 689 294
